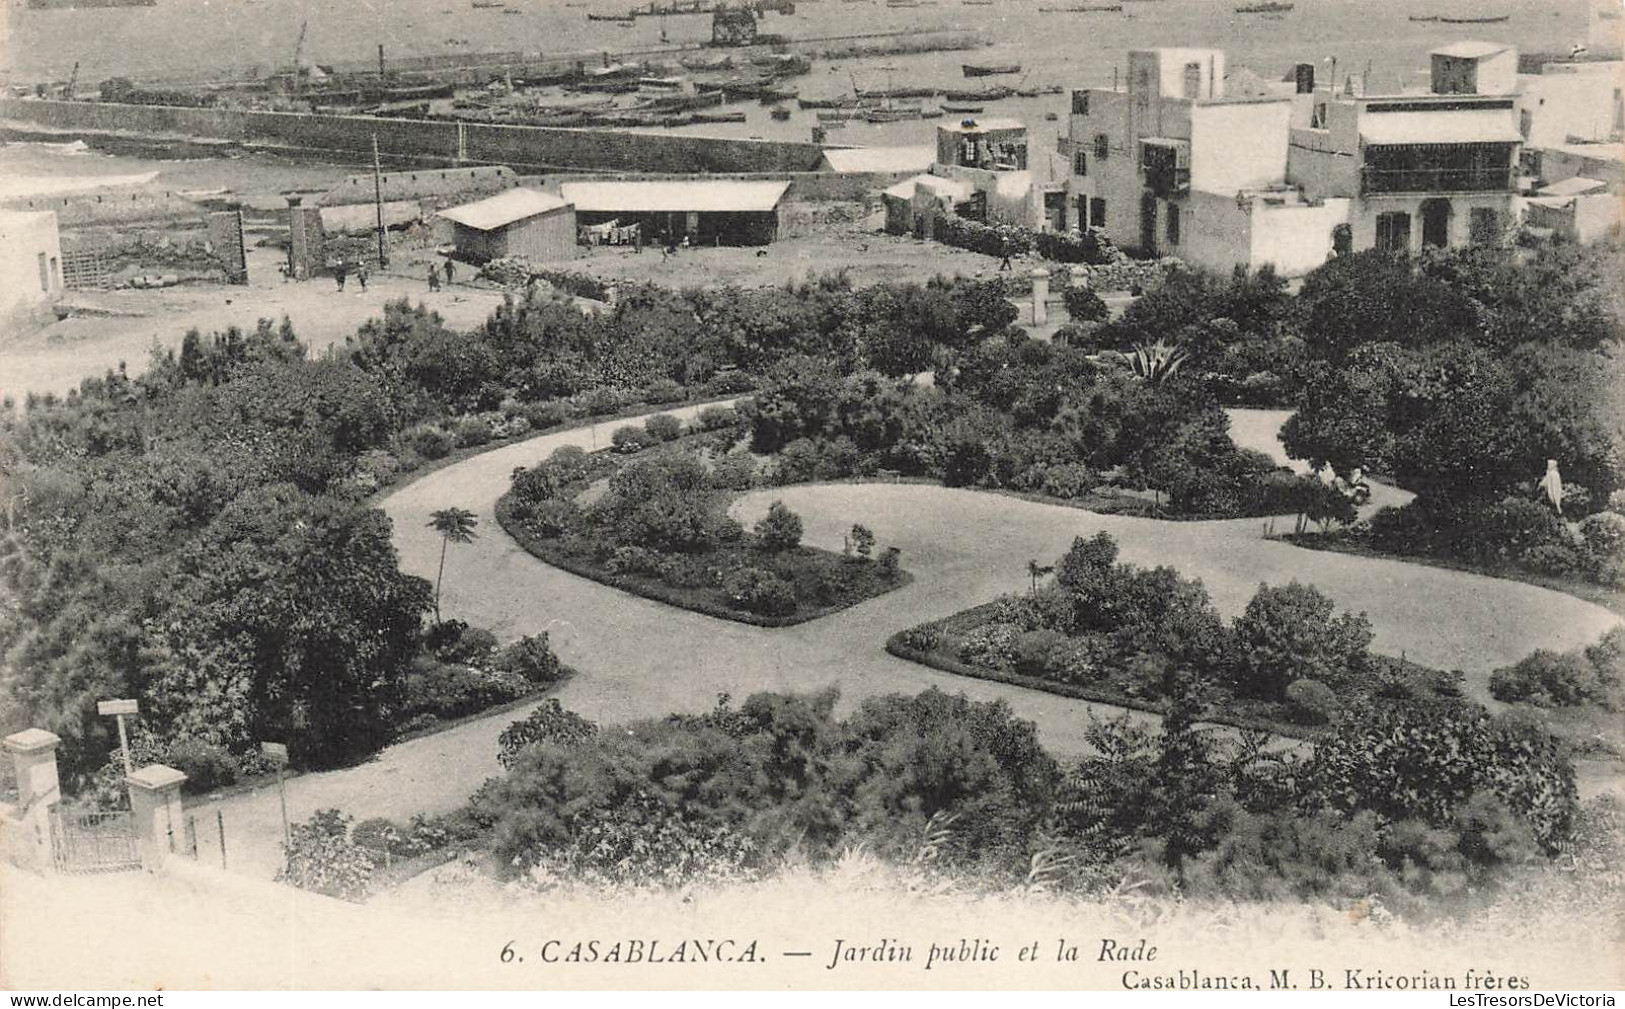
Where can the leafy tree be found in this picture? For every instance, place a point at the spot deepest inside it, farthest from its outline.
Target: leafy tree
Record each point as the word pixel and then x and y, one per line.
pixel 1287 633
pixel 1084 305
pixel 455 525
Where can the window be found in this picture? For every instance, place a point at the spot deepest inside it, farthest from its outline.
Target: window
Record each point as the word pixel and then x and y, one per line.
pixel 44 274
pixel 1317 119
pixel 1484 226
pixel 1394 231
pixel 56 272
pixel 1192 81
pixel 1080 163
pixel 1102 146
pixel 1173 224
pixel 1097 212
pixel 1080 103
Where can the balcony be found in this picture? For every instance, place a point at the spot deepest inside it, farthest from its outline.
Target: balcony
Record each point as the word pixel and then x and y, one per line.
pixel 1166 164
pixel 1377 181
pixel 1438 168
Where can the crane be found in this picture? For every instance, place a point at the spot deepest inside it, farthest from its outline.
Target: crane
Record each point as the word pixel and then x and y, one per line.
pixel 298 49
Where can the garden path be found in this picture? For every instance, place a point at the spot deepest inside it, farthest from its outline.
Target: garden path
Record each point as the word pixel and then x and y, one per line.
pixel 637 658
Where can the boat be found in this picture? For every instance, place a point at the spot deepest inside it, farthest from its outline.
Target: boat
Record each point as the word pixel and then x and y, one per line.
pixel 1486 19
pixel 1271 7
pixel 1046 89
pixel 838 115
pixel 706 62
pixel 768 96
pixel 779 112
pixel 487 4
pixel 903 92
pixel 843 102
pixel 623 18
pixel 899 113
pixel 1081 9
pixel 661 83
pixel 718 117
pixel 1423 17
pixel 989 69
pixel 987 94
pixel 957 107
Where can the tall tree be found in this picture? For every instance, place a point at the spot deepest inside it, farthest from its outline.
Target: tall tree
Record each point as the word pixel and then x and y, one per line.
pixel 455 525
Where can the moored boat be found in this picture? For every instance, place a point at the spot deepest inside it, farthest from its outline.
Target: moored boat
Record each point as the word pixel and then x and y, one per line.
pixel 989 69
pixel 1272 7
pixel 1486 19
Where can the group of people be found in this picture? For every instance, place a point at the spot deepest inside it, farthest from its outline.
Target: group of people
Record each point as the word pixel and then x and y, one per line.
pixel 342 271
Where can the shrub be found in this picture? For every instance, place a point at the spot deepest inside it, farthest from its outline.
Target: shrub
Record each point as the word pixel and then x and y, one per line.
pixel 1595 675
pixel 861 541
pixel 1084 305
pixel 779 530
pixel 1408 763
pixel 1404 530
pixel 601 400
pixel 796 462
pixel 530 657
pixel 445 690
pixel 757 591
pixel 887 566
pixel 630 559
pixel 466 644
pixel 552 519
pixel 550 723
pixel 1088 659
pixel 1035 651
pixel 546 415
pixel 717 418
pixel 663 390
pixel 735 471
pixel 1604 535
pixel 993 645
pixel 1557 559
pixel 1288 633
pixel 431 443
pixel 663 427
pixel 630 438
pixel 1069 480
pixel 472 432
pixel 923 638
pixel 207 765
pixel 1509 530
pixel 322 857
pixel 1312 702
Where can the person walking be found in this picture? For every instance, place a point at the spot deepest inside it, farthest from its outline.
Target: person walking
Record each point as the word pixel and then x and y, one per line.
pixel 339 273
pixel 451 272
pixel 361 276
pixel 434 278
pixel 1004 264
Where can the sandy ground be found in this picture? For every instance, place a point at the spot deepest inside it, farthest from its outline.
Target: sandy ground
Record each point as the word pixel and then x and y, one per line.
pixel 639 658
pixel 56 358
pixel 866 253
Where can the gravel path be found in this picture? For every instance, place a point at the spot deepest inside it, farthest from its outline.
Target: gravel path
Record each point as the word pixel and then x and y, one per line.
pixel 639 658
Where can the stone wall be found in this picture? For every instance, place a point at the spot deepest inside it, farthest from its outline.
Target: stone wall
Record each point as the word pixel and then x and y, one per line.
pixel 426 142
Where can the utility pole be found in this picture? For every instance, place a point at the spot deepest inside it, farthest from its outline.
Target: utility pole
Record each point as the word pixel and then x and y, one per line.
pixel 380 63
pixel 378 200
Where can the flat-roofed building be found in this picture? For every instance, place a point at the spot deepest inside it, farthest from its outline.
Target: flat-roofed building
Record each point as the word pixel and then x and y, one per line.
pixel 30 269
pixel 524 223
pixel 705 211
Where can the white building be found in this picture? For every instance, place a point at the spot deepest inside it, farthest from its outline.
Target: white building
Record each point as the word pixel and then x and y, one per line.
pixel 30 269
pixel 1168 164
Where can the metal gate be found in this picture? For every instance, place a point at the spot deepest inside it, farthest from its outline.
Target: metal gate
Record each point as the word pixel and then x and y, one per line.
pixel 94 842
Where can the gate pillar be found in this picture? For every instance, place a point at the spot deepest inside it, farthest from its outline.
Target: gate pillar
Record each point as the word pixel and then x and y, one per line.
pixel 156 813
pixel 33 758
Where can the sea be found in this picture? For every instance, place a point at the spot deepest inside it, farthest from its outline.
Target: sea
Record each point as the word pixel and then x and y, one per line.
pixel 247 38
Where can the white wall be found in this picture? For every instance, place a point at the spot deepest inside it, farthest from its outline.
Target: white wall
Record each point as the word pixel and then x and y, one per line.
pixel 1239 146
pixel 25 298
pixel 1295 239
pixel 1575 100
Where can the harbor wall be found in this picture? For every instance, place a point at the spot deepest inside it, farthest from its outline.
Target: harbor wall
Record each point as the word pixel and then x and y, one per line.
pixel 426 142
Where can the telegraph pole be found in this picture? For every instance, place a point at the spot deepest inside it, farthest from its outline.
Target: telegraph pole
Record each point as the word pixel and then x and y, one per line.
pixel 378 200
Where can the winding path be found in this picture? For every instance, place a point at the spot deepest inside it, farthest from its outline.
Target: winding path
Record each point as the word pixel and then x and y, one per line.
pixel 639 658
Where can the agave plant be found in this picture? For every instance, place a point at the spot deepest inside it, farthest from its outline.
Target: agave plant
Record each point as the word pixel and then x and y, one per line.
pixel 1154 363
pixel 1158 362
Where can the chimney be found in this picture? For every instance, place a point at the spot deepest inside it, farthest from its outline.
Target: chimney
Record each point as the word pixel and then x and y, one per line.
pixel 1304 75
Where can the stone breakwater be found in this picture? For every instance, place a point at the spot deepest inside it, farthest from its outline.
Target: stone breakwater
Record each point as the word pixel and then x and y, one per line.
pixel 417 142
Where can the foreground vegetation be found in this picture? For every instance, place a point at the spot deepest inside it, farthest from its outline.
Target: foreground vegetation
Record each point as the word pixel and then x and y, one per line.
pixel 1422 811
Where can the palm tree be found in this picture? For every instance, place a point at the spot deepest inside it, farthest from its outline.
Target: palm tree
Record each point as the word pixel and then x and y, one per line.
pixel 455 525
pixel 1036 571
